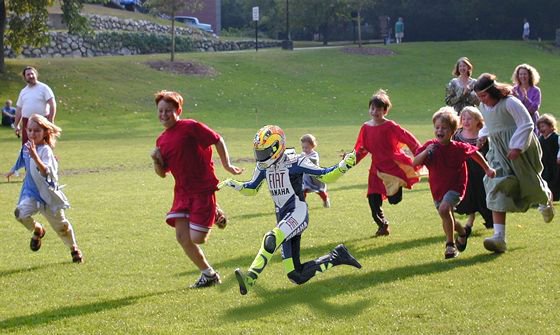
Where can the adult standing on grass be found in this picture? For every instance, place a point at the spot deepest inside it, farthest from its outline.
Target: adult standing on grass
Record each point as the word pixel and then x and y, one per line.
pixel 515 154
pixel 184 149
pixel 459 92
pixel 525 79
pixel 35 98
pixel 399 30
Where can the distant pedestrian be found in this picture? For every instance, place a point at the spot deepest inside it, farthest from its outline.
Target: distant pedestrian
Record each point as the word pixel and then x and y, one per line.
pixel 526 30
pixel 35 98
pixel 399 30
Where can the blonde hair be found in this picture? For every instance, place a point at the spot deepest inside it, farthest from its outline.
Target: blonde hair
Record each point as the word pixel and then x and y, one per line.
pixel 308 138
pixel 171 97
pixel 448 115
pixel 51 130
pixel 534 76
pixel 467 62
pixel 547 119
pixel 475 114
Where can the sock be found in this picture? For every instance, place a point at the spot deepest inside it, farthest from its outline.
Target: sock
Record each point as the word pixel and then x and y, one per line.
pixel 500 230
pixel 210 272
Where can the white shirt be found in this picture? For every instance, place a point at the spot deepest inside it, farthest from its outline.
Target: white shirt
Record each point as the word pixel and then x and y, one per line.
pixel 33 99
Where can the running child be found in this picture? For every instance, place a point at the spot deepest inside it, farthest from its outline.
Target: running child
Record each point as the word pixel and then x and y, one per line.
pixel 311 183
pixel 550 143
pixel 515 154
pixel 475 196
pixel 40 192
pixel 446 161
pixel 391 167
pixel 282 169
pixel 184 149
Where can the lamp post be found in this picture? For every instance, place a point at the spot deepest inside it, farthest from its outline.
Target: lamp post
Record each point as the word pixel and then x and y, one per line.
pixel 287 44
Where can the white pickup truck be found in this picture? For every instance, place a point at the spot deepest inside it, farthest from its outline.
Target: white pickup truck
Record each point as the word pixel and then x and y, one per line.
pixel 193 22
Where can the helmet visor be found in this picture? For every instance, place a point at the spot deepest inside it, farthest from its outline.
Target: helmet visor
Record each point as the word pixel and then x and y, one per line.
pixel 262 155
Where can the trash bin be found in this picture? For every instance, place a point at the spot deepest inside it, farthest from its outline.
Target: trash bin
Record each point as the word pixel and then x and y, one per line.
pixel 287 45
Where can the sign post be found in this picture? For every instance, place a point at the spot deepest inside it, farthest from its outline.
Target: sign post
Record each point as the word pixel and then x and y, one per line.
pixel 256 19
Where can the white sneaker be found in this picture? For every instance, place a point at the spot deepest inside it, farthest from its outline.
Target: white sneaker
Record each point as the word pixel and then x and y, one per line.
pixel 327 203
pixel 496 244
pixel 547 212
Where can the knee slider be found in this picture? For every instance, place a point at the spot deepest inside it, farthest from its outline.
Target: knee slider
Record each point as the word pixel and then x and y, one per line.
pixel 16 213
pixel 269 243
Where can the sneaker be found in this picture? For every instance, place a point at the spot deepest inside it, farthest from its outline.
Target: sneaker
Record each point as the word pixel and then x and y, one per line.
pixel 547 212
pixel 450 251
pixel 327 203
pixel 383 230
pixel 77 256
pixel 495 244
pixel 468 231
pixel 462 246
pixel 205 281
pixel 35 243
pixel 245 281
pixel 341 255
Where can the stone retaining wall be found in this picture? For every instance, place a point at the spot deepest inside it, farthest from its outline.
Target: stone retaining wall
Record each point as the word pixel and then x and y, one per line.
pixel 113 36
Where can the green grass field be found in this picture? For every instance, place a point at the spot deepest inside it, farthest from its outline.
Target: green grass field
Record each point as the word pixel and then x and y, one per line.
pixel 135 277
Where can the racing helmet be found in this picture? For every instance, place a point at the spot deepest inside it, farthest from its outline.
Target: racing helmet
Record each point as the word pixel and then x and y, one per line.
pixel 269 145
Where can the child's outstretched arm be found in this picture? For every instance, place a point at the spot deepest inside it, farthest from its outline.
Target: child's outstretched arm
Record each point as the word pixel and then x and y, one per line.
pixel 224 157
pixel 480 160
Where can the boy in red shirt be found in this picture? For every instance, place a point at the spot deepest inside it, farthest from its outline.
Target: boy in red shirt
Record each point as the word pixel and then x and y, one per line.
pixel 446 163
pixel 184 149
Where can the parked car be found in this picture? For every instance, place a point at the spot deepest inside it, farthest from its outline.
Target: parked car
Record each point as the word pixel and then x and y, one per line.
pixel 193 22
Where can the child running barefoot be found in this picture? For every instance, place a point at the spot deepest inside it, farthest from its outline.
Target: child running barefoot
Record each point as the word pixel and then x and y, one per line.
pixel 475 196
pixel 514 154
pixel 40 191
pixel 550 143
pixel 282 170
pixel 446 162
pixel 391 168
pixel 311 183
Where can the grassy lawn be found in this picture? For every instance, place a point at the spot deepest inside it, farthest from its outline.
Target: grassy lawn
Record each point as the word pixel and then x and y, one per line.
pixel 135 277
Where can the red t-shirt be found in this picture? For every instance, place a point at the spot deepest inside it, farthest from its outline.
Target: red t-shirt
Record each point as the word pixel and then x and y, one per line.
pixel 448 167
pixel 186 149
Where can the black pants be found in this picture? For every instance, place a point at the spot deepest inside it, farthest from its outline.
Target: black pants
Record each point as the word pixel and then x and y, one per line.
pixel 375 201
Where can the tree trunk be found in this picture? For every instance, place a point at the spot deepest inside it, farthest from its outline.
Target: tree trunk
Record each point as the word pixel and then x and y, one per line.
pixel 2 31
pixel 359 28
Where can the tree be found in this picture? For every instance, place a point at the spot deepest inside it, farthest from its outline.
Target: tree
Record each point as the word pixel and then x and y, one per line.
pixel 171 8
pixel 358 6
pixel 28 22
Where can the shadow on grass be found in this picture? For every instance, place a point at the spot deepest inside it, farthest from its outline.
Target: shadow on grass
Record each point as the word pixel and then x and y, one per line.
pixel 308 253
pixel 316 293
pixel 41 318
pixel 28 269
